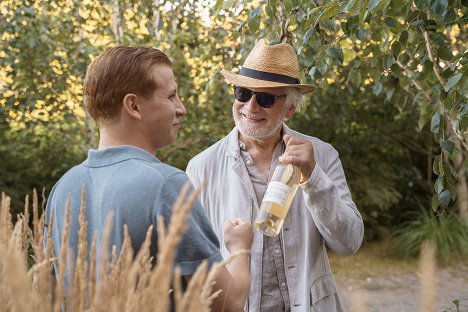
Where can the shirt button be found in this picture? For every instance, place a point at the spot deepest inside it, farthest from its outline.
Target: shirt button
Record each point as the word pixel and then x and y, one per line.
pixel 277 251
pixel 248 162
pixel 283 284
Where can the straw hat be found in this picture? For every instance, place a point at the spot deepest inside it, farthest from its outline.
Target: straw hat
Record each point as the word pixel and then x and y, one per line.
pixel 269 66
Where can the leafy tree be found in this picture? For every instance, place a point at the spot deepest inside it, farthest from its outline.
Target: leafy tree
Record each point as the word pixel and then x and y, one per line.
pixel 412 52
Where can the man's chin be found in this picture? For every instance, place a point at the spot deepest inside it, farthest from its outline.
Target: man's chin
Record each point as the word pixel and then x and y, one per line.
pixel 254 135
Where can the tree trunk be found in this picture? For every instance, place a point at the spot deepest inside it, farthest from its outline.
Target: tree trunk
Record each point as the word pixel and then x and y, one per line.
pixel 116 19
pixel 157 19
pixel 461 184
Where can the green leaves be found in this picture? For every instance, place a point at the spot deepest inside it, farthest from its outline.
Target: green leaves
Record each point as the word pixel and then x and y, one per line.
pixel 391 22
pixel 254 24
pixel 309 33
pixel 361 34
pixel 435 122
pixel 378 88
pixel 452 81
pixel 444 53
pixel 373 4
pixel 396 48
pixel 403 37
pixel 336 53
pixel 438 7
pixel 270 10
pixel 288 4
pixel 329 11
pixel 448 145
pixel 444 198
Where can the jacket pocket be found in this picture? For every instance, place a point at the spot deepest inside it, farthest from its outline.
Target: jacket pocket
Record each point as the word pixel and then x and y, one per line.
pixel 323 295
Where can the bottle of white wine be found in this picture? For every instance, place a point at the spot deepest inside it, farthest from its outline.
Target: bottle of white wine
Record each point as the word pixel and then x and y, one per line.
pixel 277 199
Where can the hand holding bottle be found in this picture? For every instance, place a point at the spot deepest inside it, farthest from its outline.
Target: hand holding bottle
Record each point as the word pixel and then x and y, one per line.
pixel 238 235
pixel 299 153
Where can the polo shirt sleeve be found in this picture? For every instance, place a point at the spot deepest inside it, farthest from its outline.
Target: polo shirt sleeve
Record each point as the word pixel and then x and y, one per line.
pixel 199 242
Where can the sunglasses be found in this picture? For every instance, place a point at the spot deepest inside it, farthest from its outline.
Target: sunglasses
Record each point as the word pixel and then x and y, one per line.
pixel 264 99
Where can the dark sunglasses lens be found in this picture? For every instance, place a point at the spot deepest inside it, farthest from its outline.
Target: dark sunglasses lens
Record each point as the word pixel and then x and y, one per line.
pixel 265 99
pixel 242 94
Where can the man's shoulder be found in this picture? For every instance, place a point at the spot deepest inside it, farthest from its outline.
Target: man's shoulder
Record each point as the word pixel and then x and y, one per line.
pixel 124 173
pixel 150 175
pixel 211 153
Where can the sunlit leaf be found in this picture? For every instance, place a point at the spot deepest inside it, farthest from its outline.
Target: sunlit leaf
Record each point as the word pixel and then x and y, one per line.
pixel 288 5
pixel 254 24
pixel 270 10
pixel 329 12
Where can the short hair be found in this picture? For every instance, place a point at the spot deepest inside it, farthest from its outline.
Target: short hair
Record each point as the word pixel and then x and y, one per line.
pixel 294 97
pixel 116 73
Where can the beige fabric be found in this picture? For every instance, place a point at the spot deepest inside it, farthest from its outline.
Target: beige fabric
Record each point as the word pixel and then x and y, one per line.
pixel 322 213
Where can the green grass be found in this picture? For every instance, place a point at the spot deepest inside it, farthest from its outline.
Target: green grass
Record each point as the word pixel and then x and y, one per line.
pixel 371 260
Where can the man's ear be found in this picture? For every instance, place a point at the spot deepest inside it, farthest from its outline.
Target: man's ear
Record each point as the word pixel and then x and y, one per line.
pixel 290 112
pixel 130 105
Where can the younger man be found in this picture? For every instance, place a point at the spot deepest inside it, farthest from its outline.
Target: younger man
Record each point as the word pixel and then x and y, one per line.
pixel 132 95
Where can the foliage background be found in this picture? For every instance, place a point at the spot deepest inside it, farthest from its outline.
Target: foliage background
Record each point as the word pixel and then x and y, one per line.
pixel 392 97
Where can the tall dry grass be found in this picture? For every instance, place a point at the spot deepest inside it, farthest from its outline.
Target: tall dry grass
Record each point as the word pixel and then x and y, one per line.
pixel 125 283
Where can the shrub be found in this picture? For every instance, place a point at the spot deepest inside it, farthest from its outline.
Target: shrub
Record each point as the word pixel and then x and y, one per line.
pixel 448 233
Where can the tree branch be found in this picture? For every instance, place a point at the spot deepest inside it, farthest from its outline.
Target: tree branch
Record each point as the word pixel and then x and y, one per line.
pixel 410 74
pixel 435 67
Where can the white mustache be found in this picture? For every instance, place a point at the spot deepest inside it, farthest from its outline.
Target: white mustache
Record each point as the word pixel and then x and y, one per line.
pixel 253 116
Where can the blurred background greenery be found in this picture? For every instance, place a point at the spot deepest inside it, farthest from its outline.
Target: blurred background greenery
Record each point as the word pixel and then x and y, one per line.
pixel 392 96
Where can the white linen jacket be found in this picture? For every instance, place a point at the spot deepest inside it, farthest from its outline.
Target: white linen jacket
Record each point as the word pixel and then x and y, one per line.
pixel 322 212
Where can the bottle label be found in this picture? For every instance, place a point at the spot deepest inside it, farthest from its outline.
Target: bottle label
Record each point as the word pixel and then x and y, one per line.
pixel 277 192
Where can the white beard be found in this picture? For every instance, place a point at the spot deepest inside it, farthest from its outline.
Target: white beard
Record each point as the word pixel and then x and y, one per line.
pixel 264 129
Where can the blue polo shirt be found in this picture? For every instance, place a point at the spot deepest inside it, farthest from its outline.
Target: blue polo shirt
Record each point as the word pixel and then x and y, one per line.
pixel 136 188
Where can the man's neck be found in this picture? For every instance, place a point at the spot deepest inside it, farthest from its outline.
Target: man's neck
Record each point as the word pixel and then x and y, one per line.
pixel 261 150
pixel 265 145
pixel 110 136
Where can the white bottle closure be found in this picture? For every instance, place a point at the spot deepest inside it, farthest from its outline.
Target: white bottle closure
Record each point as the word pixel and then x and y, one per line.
pixel 277 192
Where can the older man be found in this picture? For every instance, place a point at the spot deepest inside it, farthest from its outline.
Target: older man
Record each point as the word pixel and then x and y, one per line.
pixel 290 272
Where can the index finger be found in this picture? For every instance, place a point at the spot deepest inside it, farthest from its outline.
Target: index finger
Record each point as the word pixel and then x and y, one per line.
pixel 292 140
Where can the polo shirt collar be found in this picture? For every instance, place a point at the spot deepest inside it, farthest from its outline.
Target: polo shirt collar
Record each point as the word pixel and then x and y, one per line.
pixel 112 155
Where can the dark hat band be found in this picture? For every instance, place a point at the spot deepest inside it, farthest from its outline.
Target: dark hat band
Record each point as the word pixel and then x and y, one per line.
pixel 257 74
